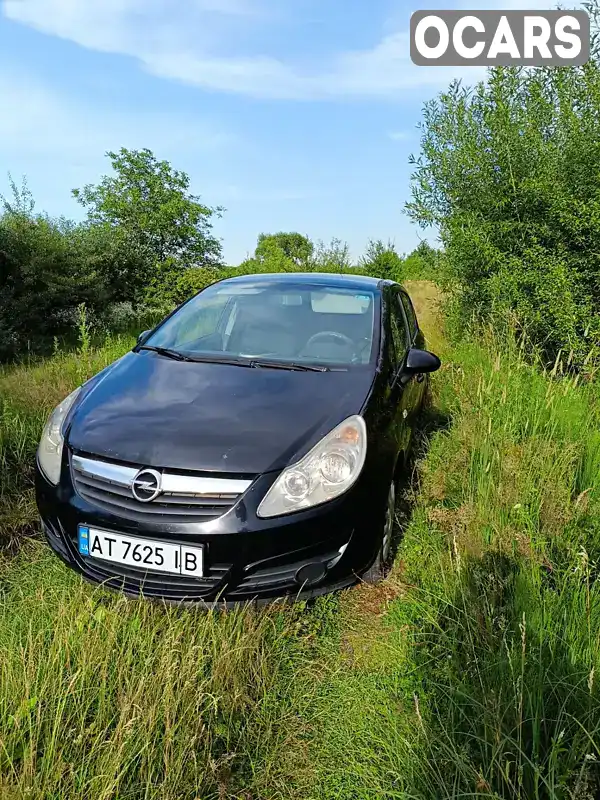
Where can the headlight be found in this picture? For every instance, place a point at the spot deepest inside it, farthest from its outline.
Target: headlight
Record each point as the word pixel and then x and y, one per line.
pixel 51 444
pixel 329 470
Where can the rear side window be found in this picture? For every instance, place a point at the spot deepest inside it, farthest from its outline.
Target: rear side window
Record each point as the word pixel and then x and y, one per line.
pixel 413 325
pixel 399 339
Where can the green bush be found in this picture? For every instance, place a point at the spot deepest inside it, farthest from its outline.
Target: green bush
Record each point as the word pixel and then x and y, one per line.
pixel 169 285
pixel 508 172
pixel 382 261
pixel 424 263
pixel 147 239
pixel 42 280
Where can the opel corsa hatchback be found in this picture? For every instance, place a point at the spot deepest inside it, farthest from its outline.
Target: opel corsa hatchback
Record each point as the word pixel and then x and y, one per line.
pixel 248 447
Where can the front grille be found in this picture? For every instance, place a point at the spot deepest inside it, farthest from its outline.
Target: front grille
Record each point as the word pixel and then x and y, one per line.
pixel 184 498
pixel 153 584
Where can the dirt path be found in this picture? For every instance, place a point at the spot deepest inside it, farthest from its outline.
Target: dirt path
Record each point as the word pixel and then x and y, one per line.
pixel 427 298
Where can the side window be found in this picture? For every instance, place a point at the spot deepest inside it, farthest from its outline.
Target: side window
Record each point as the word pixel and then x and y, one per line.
pixel 413 325
pixel 399 338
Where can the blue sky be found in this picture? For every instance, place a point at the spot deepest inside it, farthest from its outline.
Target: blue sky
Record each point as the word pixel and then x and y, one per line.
pixel 293 114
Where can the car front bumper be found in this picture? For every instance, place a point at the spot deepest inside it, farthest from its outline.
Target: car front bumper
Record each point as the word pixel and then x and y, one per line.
pixel 297 556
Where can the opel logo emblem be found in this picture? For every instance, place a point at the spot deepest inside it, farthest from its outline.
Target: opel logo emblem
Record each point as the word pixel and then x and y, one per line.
pixel 146 486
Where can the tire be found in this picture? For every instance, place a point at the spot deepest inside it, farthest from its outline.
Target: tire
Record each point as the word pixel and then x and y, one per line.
pixel 379 568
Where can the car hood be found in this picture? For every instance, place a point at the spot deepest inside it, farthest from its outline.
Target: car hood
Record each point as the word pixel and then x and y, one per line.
pixel 152 411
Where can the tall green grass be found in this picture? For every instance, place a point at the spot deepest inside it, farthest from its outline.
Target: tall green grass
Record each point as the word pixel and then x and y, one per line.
pixel 105 697
pixel 471 672
pixel 28 393
pixel 483 677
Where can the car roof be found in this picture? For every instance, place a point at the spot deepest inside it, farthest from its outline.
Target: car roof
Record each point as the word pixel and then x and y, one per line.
pixel 333 279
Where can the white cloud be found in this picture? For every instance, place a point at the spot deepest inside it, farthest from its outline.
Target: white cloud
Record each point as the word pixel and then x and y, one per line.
pixel 42 122
pixel 184 40
pixel 60 143
pixel 400 136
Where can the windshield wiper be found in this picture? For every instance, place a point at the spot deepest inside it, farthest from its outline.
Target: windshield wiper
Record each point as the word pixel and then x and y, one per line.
pixel 238 362
pixel 165 351
pixel 200 358
pixel 208 359
pixel 257 362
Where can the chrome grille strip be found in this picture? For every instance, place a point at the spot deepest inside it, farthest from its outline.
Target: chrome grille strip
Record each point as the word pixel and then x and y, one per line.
pixel 183 499
pixel 112 473
pixel 172 485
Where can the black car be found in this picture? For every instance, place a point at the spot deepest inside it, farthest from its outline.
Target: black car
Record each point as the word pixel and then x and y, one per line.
pixel 248 447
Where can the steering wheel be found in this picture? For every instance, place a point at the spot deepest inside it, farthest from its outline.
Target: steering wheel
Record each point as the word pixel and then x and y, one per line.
pixel 366 342
pixel 340 337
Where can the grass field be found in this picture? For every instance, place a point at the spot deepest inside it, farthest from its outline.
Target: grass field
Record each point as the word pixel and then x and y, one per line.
pixel 472 671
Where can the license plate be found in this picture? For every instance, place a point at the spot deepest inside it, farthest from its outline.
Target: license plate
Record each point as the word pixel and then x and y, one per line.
pixel 146 554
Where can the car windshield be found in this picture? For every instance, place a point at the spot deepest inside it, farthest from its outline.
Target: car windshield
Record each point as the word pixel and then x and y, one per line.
pixel 291 323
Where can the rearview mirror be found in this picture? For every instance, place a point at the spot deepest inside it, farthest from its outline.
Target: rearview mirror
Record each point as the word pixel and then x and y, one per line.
pixel 142 336
pixel 419 361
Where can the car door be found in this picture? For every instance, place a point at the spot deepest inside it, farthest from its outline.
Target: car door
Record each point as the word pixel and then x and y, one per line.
pixel 412 385
pixel 400 394
pixel 416 339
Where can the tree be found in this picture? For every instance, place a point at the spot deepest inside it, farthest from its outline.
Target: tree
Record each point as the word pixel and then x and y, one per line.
pixel 508 172
pixel 292 252
pixel 292 246
pixel 151 205
pixel 334 257
pixel 382 261
pixel 280 252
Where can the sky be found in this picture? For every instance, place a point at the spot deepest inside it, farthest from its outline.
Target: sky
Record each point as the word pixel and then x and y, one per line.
pixel 292 114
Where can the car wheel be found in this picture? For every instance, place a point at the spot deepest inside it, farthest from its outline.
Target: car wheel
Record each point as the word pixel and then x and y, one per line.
pixel 378 569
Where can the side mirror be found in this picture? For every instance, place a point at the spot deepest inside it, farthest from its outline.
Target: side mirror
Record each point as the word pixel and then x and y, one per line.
pixel 419 361
pixel 142 336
